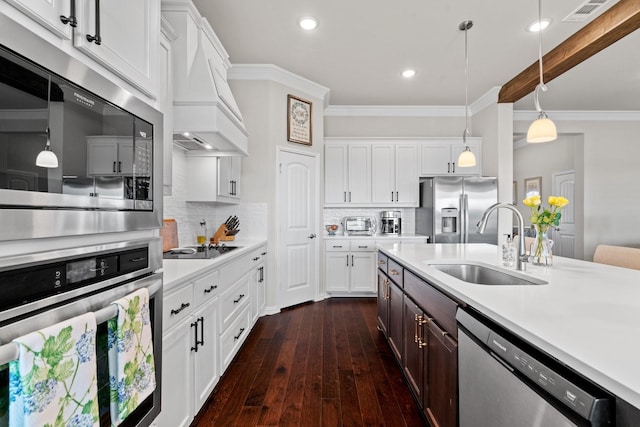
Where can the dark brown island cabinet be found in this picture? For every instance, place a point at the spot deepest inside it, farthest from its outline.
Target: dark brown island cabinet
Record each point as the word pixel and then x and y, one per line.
pixel 419 323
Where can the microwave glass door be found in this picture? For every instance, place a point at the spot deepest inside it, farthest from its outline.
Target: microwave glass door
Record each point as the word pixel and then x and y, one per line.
pixel 105 154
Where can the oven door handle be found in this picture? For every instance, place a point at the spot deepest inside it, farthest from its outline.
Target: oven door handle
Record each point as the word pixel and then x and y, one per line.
pixel 10 352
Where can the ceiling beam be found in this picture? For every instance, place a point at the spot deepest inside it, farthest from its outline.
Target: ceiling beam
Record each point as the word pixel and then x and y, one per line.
pixel 620 20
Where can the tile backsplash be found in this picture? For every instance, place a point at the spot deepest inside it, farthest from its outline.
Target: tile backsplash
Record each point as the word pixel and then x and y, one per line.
pixel 252 216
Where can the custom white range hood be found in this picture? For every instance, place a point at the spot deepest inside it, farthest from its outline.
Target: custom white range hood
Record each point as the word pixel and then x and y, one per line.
pixel 205 114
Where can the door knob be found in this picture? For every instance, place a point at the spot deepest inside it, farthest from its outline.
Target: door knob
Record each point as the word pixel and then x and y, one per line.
pixel 312 236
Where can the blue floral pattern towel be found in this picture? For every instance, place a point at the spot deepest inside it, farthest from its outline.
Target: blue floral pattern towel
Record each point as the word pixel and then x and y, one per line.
pixel 131 363
pixel 53 382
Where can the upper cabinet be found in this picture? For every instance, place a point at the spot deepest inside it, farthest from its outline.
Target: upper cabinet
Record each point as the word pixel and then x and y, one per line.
pixel 120 35
pixel 395 174
pixel 123 36
pixel 213 179
pixel 165 100
pixel 440 156
pixel 229 172
pixel 347 174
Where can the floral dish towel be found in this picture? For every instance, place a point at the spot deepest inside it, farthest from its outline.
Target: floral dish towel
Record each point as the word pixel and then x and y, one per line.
pixel 53 381
pixel 131 363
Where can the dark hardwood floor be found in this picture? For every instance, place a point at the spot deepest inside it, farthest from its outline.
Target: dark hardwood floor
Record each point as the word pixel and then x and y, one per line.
pixel 317 364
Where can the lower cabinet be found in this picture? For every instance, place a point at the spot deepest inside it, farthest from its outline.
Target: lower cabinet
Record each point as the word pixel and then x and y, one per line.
pixel 258 288
pixel 422 334
pixel 350 266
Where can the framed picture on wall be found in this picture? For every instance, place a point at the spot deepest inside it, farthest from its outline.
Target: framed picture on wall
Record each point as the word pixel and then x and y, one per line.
pixel 298 120
pixel 532 186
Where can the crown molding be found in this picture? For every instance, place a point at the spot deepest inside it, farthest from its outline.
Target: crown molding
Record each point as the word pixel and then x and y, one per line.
pixel 276 74
pixel 587 115
pixel 486 100
pixel 394 111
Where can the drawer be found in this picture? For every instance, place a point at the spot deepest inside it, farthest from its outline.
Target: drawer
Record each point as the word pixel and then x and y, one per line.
pixel 363 245
pixel 232 272
pixel 233 337
pixel 333 245
pixel 233 300
pixel 433 302
pixel 394 270
pixel 206 288
pixel 177 306
pixel 383 261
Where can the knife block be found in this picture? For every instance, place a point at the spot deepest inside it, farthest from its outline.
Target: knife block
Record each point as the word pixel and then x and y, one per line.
pixel 221 235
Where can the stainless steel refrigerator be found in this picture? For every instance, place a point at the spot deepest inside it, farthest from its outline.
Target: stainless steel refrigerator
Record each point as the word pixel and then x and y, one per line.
pixel 450 208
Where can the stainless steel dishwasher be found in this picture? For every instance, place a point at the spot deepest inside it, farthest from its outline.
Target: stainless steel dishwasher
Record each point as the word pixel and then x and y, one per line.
pixel 504 382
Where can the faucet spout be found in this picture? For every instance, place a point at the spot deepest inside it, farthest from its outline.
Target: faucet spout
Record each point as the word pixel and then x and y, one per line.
pixel 482 225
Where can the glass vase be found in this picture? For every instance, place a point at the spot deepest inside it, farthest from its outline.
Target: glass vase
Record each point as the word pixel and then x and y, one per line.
pixel 541 247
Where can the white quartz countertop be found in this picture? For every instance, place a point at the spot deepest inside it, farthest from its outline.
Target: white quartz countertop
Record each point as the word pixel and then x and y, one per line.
pixel 403 236
pixel 177 271
pixel 587 316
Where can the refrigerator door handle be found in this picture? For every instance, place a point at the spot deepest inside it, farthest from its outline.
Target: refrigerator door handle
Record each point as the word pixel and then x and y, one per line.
pixel 464 217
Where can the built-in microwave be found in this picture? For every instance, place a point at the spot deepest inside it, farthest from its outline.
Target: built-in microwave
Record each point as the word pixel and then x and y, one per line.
pixel 107 146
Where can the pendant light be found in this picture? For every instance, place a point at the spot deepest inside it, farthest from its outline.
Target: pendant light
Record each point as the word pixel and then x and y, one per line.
pixel 466 159
pixel 47 158
pixel 542 129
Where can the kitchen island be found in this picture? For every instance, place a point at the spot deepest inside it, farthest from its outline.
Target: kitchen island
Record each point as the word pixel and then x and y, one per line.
pixel 587 315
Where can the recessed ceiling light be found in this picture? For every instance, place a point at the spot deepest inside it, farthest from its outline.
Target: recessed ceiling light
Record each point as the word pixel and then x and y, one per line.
pixel 538 26
pixel 308 23
pixel 407 74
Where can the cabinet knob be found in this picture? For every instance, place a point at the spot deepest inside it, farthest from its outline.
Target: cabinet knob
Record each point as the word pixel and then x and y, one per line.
pixel 394 272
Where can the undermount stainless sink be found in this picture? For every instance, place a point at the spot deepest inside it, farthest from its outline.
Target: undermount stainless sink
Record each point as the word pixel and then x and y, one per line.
pixel 485 275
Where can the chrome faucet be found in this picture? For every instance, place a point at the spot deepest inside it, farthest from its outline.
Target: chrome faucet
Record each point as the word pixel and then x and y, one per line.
pixel 482 224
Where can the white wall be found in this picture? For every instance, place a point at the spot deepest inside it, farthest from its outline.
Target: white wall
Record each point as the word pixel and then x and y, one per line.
pixel 358 126
pixel 608 160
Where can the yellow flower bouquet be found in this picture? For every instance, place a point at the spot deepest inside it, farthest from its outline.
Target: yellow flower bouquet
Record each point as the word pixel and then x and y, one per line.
pixel 542 218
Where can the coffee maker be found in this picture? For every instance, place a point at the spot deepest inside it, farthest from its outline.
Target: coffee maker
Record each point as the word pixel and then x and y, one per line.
pixel 390 222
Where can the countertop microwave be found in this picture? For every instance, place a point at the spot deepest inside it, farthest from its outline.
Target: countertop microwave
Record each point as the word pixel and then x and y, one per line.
pixel 359 226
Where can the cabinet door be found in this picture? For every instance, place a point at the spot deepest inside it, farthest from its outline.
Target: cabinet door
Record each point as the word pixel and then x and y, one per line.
pixel 262 290
pixel 395 320
pixel 363 272
pixel 236 174
pixel 476 148
pixel 201 177
pixel 177 377
pixel 359 187
pixel 126 155
pixel 441 374
pixel 383 174
pixel 336 271
pixel 412 362
pixel 102 157
pixel 225 187
pixel 47 13
pixel 406 175
pixel 205 367
pixel 383 303
pixel 435 158
pixel 335 173
pixel 129 34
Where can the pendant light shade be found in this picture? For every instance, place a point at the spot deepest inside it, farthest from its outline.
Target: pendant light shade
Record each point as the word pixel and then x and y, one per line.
pixel 542 129
pixel 47 158
pixel 466 159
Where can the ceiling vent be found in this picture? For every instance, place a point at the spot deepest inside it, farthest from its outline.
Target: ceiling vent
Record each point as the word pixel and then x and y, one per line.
pixel 586 10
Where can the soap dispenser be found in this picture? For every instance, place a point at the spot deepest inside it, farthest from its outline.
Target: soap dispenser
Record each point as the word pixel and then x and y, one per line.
pixel 508 252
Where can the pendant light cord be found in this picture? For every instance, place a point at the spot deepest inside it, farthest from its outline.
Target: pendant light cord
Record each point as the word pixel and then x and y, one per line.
pixel 466 25
pixel 540 41
pixel 48 144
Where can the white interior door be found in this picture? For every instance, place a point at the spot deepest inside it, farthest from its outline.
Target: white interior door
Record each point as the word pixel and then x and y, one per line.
pixel 564 238
pixel 298 227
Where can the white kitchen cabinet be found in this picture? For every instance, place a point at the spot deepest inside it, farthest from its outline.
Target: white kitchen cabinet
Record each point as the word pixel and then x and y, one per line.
pixel 47 13
pixel 190 349
pixel 440 157
pixel 347 174
pixel 229 173
pixel 395 174
pixel 128 38
pixel 165 101
pixel 258 290
pixel 129 35
pixel 350 266
pixel 203 179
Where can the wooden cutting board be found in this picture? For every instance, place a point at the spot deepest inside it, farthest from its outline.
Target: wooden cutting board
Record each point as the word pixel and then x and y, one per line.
pixel 169 234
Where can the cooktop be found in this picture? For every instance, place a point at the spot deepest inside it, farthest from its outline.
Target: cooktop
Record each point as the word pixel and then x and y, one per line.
pixel 198 252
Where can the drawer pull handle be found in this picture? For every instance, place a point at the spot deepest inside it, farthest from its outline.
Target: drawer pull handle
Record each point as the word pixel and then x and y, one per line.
pixel 363 247
pixel 235 301
pixel 235 338
pixel 263 253
pixel 211 288
pixel 256 258
pixel 182 307
pixel 337 246
pixel 394 272
pixel 381 262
